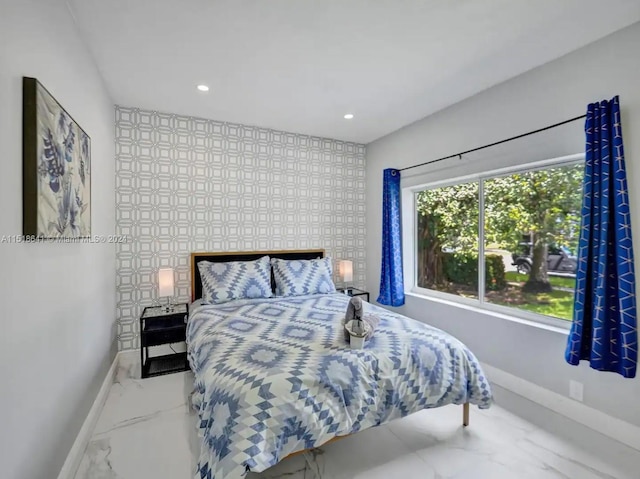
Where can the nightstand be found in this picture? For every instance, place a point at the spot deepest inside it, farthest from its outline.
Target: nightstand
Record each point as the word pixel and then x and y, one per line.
pixel 159 326
pixel 354 292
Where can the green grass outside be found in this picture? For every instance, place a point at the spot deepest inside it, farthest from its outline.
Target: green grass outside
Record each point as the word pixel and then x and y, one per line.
pixel 558 304
pixel 557 281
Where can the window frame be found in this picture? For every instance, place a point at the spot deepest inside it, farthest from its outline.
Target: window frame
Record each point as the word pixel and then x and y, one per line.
pixel 409 207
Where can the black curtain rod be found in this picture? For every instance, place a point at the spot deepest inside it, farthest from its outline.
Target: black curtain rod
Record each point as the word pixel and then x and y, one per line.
pixel 494 144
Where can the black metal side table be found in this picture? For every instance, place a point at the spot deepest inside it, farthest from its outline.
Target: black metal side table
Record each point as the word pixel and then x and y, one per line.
pixel 162 325
pixel 354 292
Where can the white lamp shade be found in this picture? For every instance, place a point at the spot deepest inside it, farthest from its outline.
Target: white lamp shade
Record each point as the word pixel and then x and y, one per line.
pixel 165 282
pixel 345 270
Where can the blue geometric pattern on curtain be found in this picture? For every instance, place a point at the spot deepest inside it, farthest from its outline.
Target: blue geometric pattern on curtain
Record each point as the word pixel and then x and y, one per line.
pixel 391 279
pixel 604 329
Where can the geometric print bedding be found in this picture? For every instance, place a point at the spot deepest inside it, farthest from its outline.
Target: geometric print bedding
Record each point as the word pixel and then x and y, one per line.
pixel 275 376
pixel 222 282
pixel 301 277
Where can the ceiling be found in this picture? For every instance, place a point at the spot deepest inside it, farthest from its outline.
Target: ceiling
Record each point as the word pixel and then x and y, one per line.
pixel 301 65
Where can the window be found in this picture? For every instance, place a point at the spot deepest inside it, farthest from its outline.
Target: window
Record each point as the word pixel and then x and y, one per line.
pixel 503 240
pixel 447 226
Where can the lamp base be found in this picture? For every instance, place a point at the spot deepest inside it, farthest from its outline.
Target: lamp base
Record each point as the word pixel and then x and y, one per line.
pixel 168 308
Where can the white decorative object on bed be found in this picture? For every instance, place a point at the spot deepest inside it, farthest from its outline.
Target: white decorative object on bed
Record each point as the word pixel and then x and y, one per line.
pixel 276 376
pixel 357 331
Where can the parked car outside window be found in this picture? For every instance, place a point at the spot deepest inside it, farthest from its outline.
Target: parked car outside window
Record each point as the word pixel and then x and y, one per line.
pixel 559 259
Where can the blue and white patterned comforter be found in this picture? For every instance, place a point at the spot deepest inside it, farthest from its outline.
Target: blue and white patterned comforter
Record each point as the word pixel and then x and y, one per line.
pixel 275 376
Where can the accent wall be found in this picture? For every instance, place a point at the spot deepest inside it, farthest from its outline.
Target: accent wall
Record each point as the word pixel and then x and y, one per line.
pixel 187 184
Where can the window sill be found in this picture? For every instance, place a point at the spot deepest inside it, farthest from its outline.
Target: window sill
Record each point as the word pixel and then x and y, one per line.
pixel 495 314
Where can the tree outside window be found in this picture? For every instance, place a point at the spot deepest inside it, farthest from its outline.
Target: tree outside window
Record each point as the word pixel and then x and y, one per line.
pixel 531 223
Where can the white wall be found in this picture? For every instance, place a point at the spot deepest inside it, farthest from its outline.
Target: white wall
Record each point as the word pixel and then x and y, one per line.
pixel 57 323
pixel 546 95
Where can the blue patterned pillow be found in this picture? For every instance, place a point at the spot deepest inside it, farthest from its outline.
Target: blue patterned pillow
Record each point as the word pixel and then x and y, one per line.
pixel 298 277
pixel 222 282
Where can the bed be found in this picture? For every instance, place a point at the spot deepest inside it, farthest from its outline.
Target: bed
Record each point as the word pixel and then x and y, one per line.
pixel 275 376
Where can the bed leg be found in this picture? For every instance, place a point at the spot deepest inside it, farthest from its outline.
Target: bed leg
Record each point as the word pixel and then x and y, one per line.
pixel 312 464
pixel 465 414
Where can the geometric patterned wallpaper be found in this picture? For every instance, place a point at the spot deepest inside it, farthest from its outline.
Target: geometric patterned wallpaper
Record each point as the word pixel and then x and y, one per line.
pixel 186 184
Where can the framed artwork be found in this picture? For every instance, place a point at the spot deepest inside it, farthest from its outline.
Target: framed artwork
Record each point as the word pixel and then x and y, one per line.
pixel 56 168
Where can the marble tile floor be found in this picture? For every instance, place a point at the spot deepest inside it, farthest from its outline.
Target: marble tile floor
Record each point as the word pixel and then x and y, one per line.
pixel 147 431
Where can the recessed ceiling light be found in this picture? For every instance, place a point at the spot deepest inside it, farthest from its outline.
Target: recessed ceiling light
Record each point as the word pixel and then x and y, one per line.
pixel 348 116
pixel 203 88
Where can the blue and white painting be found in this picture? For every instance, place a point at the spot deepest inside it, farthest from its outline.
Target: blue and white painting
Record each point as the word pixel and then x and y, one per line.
pixel 64 171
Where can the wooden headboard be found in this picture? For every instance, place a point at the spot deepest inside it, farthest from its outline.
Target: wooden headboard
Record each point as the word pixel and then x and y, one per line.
pixel 196 281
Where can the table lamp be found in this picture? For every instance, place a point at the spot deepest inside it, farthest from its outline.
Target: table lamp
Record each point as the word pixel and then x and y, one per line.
pixel 345 271
pixel 165 286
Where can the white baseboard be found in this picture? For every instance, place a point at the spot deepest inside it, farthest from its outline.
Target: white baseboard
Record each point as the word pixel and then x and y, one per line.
pixel 131 356
pixel 622 431
pixel 76 453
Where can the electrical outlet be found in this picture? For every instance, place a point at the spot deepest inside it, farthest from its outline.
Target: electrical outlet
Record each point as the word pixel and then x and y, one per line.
pixel 576 390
